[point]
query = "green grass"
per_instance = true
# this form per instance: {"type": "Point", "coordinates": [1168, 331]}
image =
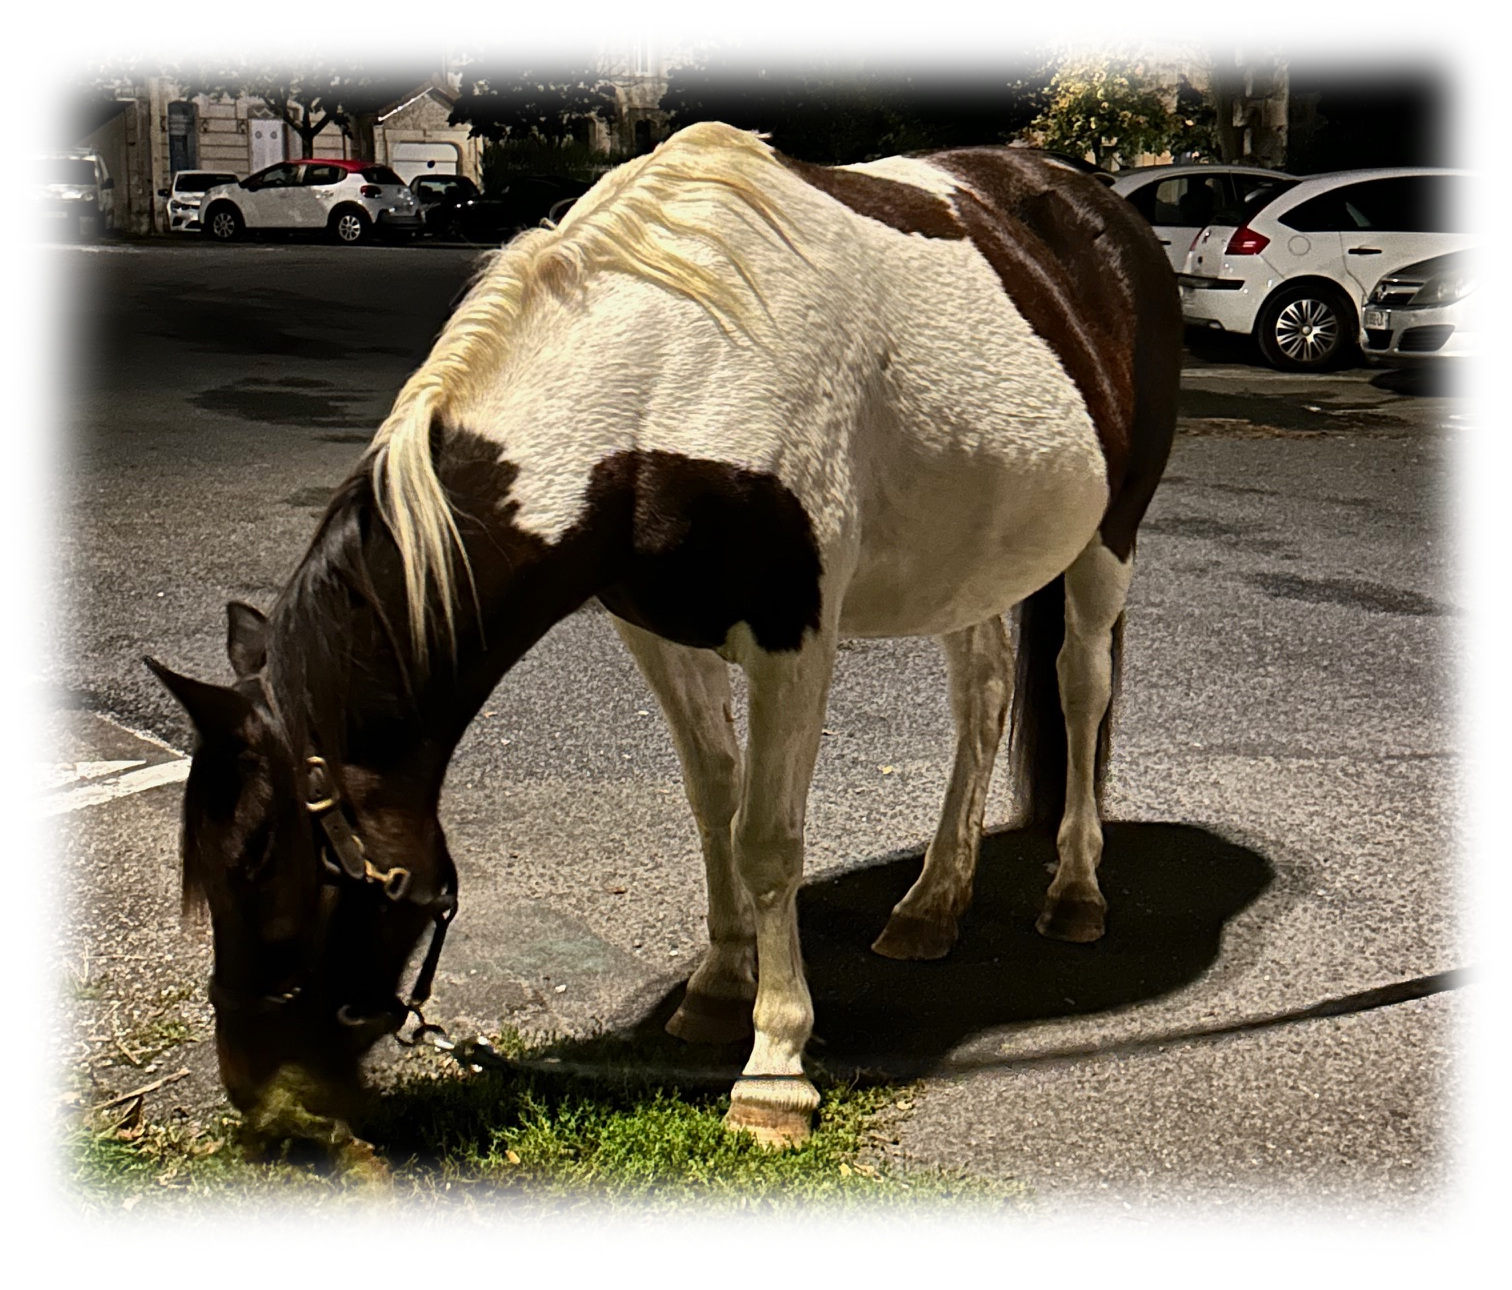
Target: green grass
{"type": "Point", "coordinates": [536, 1140]}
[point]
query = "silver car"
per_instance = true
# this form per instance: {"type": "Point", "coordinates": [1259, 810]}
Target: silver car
{"type": "Point", "coordinates": [1424, 312]}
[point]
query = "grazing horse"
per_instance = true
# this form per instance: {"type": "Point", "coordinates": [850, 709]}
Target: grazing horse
{"type": "Point", "coordinates": [754, 406]}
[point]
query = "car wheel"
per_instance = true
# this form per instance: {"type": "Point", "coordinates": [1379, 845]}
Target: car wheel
{"type": "Point", "coordinates": [348, 226]}
{"type": "Point", "coordinates": [1307, 328]}
{"type": "Point", "coordinates": [223, 224]}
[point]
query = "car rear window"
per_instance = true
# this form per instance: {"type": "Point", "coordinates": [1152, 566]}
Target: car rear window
{"type": "Point", "coordinates": [381, 175]}
{"type": "Point", "coordinates": [1251, 199]}
{"type": "Point", "coordinates": [64, 170]}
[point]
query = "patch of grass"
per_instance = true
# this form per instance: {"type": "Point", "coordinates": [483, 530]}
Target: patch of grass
{"type": "Point", "coordinates": [154, 1036]}
{"type": "Point", "coordinates": [539, 1140]}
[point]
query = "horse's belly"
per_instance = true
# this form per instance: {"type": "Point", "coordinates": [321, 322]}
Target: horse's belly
{"type": "Point", "coordinates": [958, 555]}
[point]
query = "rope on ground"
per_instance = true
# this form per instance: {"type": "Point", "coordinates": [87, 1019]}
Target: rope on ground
{"type": "Point", "coordinates": [478, 1054]}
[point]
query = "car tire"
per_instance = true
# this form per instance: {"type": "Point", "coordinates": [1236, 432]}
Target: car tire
{"type": "Point", "coordinates": [349, 226]}
{"type": "Point", "coordinates": [223, 223]}
{"type": "Point", "coordinates": [1310, 327]}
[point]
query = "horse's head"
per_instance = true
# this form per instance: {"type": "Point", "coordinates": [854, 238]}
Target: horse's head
{"type": "Point", "coordinates": [319, 882]}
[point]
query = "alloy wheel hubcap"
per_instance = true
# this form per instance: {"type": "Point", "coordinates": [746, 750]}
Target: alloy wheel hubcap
{"type": "Point", "coordinates": [1307, 331]}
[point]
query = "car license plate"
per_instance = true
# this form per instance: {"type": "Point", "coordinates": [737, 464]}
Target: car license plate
{"type": "Point", "coordinates": [1377, 319]}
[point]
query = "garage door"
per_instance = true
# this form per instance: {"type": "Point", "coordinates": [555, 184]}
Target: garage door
{"type": "Point", "coordinates": [412, 160]}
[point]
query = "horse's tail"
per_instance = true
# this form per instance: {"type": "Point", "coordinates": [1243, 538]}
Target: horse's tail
{"type": "Point", "coordinates": [1037, 729]}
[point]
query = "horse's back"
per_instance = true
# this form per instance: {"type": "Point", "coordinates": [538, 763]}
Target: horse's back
{"type": "Point", "coordinates": [956, 366]}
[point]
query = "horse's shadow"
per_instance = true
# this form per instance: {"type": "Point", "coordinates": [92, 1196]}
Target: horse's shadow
{"type": "Point", "coordinates": [1170, 888]}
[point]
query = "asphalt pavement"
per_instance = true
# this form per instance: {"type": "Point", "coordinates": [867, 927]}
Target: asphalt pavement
{"type": "Point", "coordinates": [1284, 795]}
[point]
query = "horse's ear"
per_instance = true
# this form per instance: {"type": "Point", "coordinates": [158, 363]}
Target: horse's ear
{"type": "Point", "coordinates": [246, 638]}
{"type": "Point", "coordinates": [218, 712]}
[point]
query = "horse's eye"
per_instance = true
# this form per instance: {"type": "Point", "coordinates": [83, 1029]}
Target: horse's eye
{"type": "Point", "coordinates": [258, 848]}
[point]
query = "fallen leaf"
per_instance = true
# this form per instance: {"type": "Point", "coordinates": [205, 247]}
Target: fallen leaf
{"type": "Point", "coordinates": [129, 1126]}
{"type": "Point", "coordinates": [845, 1171]}
{"type": "Point", "coordinates": [130, 1202]}
{"type": "Point", "coordinates": [887, 770]}
{"type": "Point", "coordinates": [512, 1157]}
{"type": "Point", "coordinates": [615, 890]}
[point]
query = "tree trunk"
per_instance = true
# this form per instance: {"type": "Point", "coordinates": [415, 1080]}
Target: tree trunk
{"type": "Point", "coordinates": [361, 129]}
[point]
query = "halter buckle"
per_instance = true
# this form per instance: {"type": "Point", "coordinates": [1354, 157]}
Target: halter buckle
{"type": "Point", "coordinates": [320, 792]}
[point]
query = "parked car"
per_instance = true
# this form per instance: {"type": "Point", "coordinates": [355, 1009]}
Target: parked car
{"type": "Point", "coordinates": [1179, 201]}
{"type": "Point", "coordinates": [1294, 269]}
{"type": "Point", "coordinates": [1424, 312]}
{"type": "Point", "coordinates": [185, 194]}
{"type": "Point", "coordinates": [73, 193]}
{"type": "Point", "coordinates": [348, 201]}
{"type": "Point", "coordinates": [454, 208]}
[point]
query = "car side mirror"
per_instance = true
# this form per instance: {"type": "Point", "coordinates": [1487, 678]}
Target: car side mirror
{"type": "Point", "coordinates": [108, 185]}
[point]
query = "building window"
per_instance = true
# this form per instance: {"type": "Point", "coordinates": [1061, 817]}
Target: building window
{"type": "Point", "coordinates": [643, 62]}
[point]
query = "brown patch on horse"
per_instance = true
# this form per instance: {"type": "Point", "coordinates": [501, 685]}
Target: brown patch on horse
{"type": "Point", "coordinates": [683, 547]}
{"type": "Point", "coordinates": [1087, 273]}
{"type": "Point", "coordinates": [898, 205]}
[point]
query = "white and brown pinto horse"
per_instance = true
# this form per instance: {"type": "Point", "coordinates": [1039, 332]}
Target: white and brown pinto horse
{"type": "Point", "coordinates": [755, 407]}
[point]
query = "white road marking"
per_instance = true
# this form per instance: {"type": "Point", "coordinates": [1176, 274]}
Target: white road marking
{"type": "Point", "coordinates": [71, 772]}
{"type": "Point", "coordinates": [137, 781]}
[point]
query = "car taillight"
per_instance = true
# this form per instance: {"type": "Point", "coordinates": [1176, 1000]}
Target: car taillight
{"type": "Point", "coordinates": [1246, 242]}
{"type": "Point", "coordinates": [371, 190]}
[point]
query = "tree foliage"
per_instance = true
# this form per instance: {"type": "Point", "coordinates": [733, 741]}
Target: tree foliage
{"type": "Point", "coordinates": [504, 102]}
{"type": "Point", "coordinates": [835, 114]}
{"type": "Point", "coordinates": [1114, 109]}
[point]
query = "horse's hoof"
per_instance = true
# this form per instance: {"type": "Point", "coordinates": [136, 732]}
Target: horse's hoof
{"type": "Point", "coordinates": [712, 1019]}
{"type": "Point", "coordinates": [908, 937]}
{"type": "Point", "coordinates": [777, 1113]}
{"type": "Point", "coordinates": [1079, 919]}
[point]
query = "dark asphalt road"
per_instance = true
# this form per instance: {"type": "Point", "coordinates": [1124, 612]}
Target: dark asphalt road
{"type": "Point", "coordinates": [1284, 780]}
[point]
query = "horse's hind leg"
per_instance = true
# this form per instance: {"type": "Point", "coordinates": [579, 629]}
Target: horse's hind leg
{"type": "Point", "coordinates": [693, 687]}
{"type": "Point", "coordinates": [1096, 585]}
{"type": "Point", "coordinates": [923, 924]}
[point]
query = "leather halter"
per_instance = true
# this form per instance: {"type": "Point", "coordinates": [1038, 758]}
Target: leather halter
{"type": "Point", "coordinates": [323, 801]}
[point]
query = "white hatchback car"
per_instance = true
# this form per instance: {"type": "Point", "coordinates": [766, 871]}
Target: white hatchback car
{"type": "Point", "coordinates": [1180, 201]}
{"type": "Point", "coordinates": [346, 200]}
{"type": "Point", "coordinates": [185, 194]}
{"type": "Point", "coordinates": [1293, 270]}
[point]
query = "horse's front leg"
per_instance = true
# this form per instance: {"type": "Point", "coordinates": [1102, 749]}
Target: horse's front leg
{"type": "Point", "coordinates": [773, 1098]}
{"type": "Point", "coordinates": [693, 687]}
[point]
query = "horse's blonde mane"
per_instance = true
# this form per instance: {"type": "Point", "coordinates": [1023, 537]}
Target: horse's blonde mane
{"type": "Point", "coordinates": [630, 222]}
